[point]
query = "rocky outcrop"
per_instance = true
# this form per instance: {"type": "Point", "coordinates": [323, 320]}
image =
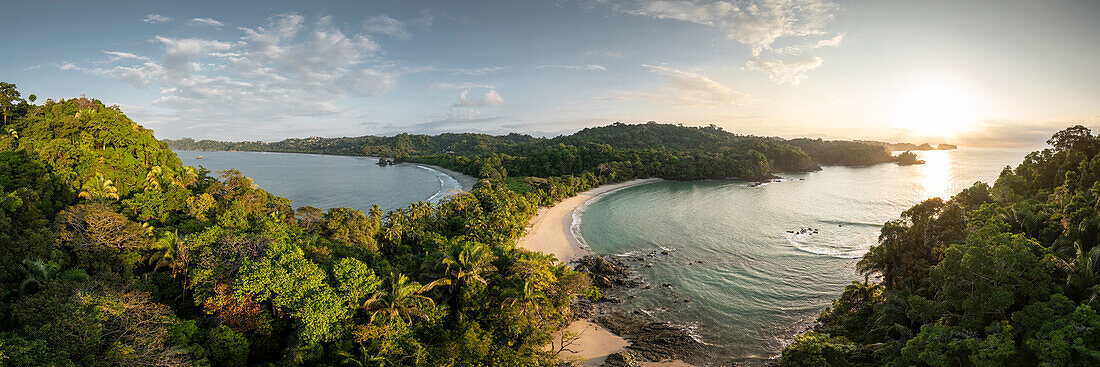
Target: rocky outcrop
{"type": "Point", "coordinates": [622, 359]}
{"type": "Point", "coordinates": [606, 273]}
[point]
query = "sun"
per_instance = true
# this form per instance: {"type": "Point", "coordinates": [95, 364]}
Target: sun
{"type": "Point", "coordinates": [936, 108]}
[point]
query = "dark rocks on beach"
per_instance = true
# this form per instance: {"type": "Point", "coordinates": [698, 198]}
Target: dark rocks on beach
{"type": "Point", "coordinates": [655, 341]}
{"type": "Point", "coordinates": [622, 359]}
{"type": "Point", "coordinates": [606, 273]}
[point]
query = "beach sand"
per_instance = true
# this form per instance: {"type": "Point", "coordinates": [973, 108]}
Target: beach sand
{"type": "Point", "coordinates": [549, 233]}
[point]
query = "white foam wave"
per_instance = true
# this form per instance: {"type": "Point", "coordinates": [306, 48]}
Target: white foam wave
{"type": "Point", "coordinates": [447, 185]}
{"type": "Point", "coordinates": [578, 212]}
{"type": "Point", "coordinates": [799, 242]}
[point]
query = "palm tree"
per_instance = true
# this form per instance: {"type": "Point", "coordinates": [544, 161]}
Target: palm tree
{"type": "Point", "coordinates": [165, 251]}
{"type": "Point", "coordinates": [152, 179]}
{"type": "Point", "coordinates": [99, 189]}
{"type": "Point", "coordinates": [526, 302]}
{"type": "Point", "coordinates": [376, 213]}
{"type": "Point", "coordinates": [401, 299]}
{"type": "Point", "coordinates": [466, 263]}
{"type": "Point", "coordinates": [1084, 271]}
{"type": "Point", "coordinates": [35, 273]}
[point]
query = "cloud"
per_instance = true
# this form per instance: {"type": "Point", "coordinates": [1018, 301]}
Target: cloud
{"type": "Point", "coordinates": [476, 72]}
{"type": "Point", "coordinates": [156, 19]}
{"type": "Point", "coordinates": [463, 85]}
{"type": "Point", "coordinates": [588, 67]}
{"type": "Point", "coordinates": [117, 56]}
{"type": "Point", "coordinates": [284, 69]}
{"type": "Point", "coordinates": [800, 48]}
{"type": "Point", "coordinates": [383, 24]}
{"type": "Point", "coordinates": [683, 88]}
{"type": "Point", "coordinates": [757, 23]}
{"type": "Point", "coordinates": [1006, 133]}
{"type": "Point", "coordinates": [491, 98]}
{"type": "Point", "coordinates": [69, 67]}
{"type": "Point", "coordinates": [205, 22]}
{"type": "Point", "coordinates": [32, 67]}
{"type": "Point", "coordinates": [786, 71]}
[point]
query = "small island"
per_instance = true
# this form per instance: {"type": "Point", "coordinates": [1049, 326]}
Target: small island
{"type": "Point", "coordinates": [907, 158]}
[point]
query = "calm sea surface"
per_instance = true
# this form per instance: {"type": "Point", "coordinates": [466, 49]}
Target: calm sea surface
{"type": "Point", "coordinates": [327, 181]}
{"type": "Point", "coordinates": [751, 283]}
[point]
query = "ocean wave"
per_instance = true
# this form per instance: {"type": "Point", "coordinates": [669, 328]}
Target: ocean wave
{"type": "Point", "coordinates": [851, 223]}
{"type": "Point", "coordinates": [798, 241]}
{"type": "Point", "coordinates": [447, 185]}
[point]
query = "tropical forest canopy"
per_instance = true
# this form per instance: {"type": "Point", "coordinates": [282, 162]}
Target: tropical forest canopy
{"type": "Point", "coordinates": [116, 254]}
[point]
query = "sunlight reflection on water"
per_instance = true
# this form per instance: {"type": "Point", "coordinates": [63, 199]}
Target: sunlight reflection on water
{"type": "Point", "coordinates": [935, 173]}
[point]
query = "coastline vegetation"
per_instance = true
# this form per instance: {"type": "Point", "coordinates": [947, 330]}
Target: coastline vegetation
{"type": "Point", "coordinates": [548, 170]}
{"type": "Point", "coordinates": [1001, 275]}
{"type": "Point", "coordinates": [117, 254]}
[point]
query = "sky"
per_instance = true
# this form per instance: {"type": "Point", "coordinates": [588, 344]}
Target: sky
{"type": "Point", "coordinates": [979, 73]}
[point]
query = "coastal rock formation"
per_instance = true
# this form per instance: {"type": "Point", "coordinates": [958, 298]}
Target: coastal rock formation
{"type": "Point", "coordinates": [655, 341]}
{"type": "Point", "coordinates": [606, 273]}
{"type": "Point", "coordinates": [622, 359]}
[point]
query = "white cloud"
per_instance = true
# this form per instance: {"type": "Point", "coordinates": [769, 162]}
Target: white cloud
{"type": "Point", "coordinates": [800, 48]}
{"type": "Point", "coordinates": [756, 23]}
{"type": "Point", "coordinates": [117, 56]}
{"type": "Point", "coordinates": [32, 67]}
{"type": "Point", "coordinates": [478, 71]}
{"type": "Point", "coordinates": [463, 85]}
{"type": "Point", "coordinates": [383, 24]}
{"type": "Point", "coordinates": [156, 19]}
{"type": "Point", "coordinates": [831, 42]}
{"type": "Point", "coordinates": [786, 71]}
{"type": "Point", "coordinates": [491, 98]}
{"type": "Point", "coordinates": [69, 67]}
{"type": "Point", "coordinates": [588, 67]}
{"type": "Point", "coordinates": [285, 69]}
{"type": "Point", "coordinates": [205, 22]}
{"type": "Point", "coordinates": [686, 88]}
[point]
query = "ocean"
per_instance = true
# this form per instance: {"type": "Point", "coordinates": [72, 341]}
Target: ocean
{"type": "Point", "coordinates": [327, 181]}
{"type": "Point", "coordinates": [757, 264]}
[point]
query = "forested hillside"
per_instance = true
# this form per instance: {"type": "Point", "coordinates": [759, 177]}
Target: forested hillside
{"type": "Point", "coordinates": [1007, 275]}
{"type": "Point", "coordinates": [617, 152]}
{"type": "Point", "coordinates": [116, 254]}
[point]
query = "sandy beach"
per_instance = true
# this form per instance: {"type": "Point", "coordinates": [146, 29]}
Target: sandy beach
{"type": "Point", "coordinates": [549, 233]}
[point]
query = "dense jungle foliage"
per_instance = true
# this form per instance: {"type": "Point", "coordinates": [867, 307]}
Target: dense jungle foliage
{"type": "Point", "coordinates": [1007, 275]}
{"type": "Point", "coordinates": [116, 254]}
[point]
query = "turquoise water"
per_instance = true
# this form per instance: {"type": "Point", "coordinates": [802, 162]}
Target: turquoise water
{"type": "Point", "coordinates": [327, 181]}
{"type": "Point", "coordinates": [752, 285]}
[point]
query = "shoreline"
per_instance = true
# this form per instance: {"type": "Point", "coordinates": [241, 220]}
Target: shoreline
{"type": "Point", "coordinates": [467, 182]}
{"type": "Point", "coordinates": [550, 232]}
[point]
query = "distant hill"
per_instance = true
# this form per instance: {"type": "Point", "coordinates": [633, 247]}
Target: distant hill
{"type": "Point", "coordinates": [637, 150]}
{"type": "Point", "coordinates": [897, 147]}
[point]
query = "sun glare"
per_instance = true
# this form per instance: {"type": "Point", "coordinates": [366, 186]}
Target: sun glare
{"type": "Point", "coordinates": [936, 109]}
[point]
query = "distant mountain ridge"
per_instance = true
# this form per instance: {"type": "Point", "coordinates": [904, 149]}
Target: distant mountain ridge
{"type": "Point", "coordinates": [897, 147]}
{"type": "Point", "coordinates": [645, 150]}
